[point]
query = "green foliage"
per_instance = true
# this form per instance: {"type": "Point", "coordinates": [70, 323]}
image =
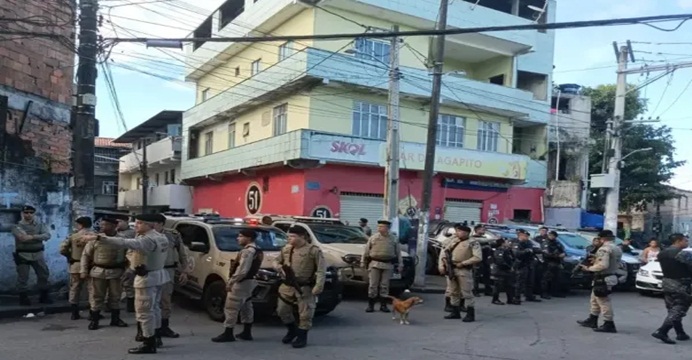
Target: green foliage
{"type": "Point", "coordinates": [643, 175]}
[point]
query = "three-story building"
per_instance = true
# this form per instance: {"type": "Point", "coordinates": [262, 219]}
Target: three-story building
{"type": "Point", "coordinates": [299, 127]}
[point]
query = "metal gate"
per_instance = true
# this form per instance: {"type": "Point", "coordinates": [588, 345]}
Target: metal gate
{"type": "Point", "coordinates": [354, 207]}
{"type": "Point", "coordinates": [459, 211]}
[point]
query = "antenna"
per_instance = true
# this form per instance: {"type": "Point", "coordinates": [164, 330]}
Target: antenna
{"type": "Point", "coordinates": [473, 7]}
{"type": "Point", "coordinates": [539, 11]}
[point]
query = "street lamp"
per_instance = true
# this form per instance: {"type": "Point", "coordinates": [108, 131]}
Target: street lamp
{"type": "Point", "coordinates": [632, 153]}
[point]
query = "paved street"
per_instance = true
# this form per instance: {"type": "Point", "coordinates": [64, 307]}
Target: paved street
{"type": "Point", "coordinates": [533, 331]}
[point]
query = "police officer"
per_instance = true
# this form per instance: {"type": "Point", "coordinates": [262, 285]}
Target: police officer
{"type": "Point", "coordinates": [240, 286]}
{"type": "Point", "coordinates": [72, 249]}
{"type": "Point", "coordinates": [553, 254]}
{"type": "Point", "coordinates": [542, 235]}
{"type": "Point", "coordinates": [502, 270]}
{"type": "Point", "coordinates": [151, 251]}
{"type": "Point", "coordinates": [303, 267]}
{"type": "Point", "coordinates": [676, 264]}
{"type": "Point", "coordinates": [363, 223]}
{"type": "Point", "coordinates": [457, 261]}
{"type": "Point", "coordinates": [481, 273]}
{"type": "Point", "coordinates": [525, 267]}
{"type": "Point", "coordinates": [605, 266]}
{"type": "Point", "coordinates": [177, 260]}
{"type": "Point", "coordinates": [104, 264]}
{"type": "Point", "coordinates": [381, 255]}
{"type": "Point", "coordinates": [29, 235]}
{"type": "Point", "coordinates": [125, 231]}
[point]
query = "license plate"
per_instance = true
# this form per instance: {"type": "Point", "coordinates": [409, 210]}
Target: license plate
{"type": "Point", "coordinates": [396, 276]}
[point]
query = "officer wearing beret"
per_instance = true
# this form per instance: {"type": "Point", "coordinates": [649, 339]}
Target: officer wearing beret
{"type": "Point", "coordinates": [125, 231]}
{"type": "Point", "coordinates": [72, 248]}
{"type": "Point", "coordinates": [457, 260]}
{"type": "Point", "coordinates": [381, 255]}
{"type": "Point", "coordinates": [29, 235]}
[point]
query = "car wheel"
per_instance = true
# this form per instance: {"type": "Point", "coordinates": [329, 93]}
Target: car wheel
{"type": "Point", "coordinates": [431, 265]}
{"type": "Point", "coordinates": [214, 300]}
{"type": "Point", "coordinates": [645, 293]}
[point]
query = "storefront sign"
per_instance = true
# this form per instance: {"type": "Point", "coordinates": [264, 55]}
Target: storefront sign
{"type": "Point", "coordinates": [253, 199]}
{"type": "Point", "coordinates": [344, 149]}
{"type": "Point", "coordinates": [466, 184]}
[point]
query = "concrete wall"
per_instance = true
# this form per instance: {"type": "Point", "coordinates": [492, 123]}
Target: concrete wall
{"type": "Point", "coordinates": [569, 218]}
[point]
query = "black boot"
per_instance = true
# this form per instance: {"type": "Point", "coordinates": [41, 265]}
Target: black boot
{"type": "Point", "coordinates": [680, 332]}
{"type": "Point", "coordinates": [462, 306]}
{"type": "Point", "coordinates": [157, 337]}
{"type": "Point", "coordinates": [247, 333]}
{"type": "Point", "coordinates": [226, 336]}
{"type": "Point", "coordinates": [470, 315]}
{"type": "Point", "coordinates": [130, 304]}
{"type": "Point", "coordinates": [532, 298]}
{"type": "Point", "coordinates": [662, 334]}
{"type": "Point", "coordinates": [371, 305]}
{"type": "Point", "coordinates": [94, 322]}
{"type": "Point", "coordinates": [448, 304]}
{"type": "Point", "coordinates": [116, 320]}
{"type": "Point", "coordinates": [496, 300]}
{"type": "Point", "coordinates": [607, 327]}
{"type": "Point", "coordinates": [44, 298]}
{"type": "Point", "coordinates": [147, 347]}
{"type": "Point", "coordinates": [383, 305]}
{"type": "Point", "coordinates": [546, 296]}
{"type": "Point", "coordinates": [590, 322]}
{"type": "Point", "coordinates": [140, 336]}
{"type": "Point", "coordinates": [454, 314]}
{"type": "Point", "coordinates": [166, 330]}
{"type": "Point", "coordinates": [301, 339]}
{"type": "Point", "coordinates": [75, 312]}
{"type": "Point", "coordinates": [24, 299]}
{"type": "Point", "coordinates": [290, 334]}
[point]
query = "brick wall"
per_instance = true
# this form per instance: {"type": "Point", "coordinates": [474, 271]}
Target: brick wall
{"type": "Point", "coordinates": [44, 67]}
{"type": "Point", "coordinates": [47, 142]}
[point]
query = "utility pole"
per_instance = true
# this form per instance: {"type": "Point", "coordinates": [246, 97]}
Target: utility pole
{"type": "Point", "coordinates": [429, 172]}
{"type": "Point", "coordinates": [85, 119]}
{"type": "Point", "coordinates": [144, 169]}
{"type": "Point", "coordinates": [391, 187]}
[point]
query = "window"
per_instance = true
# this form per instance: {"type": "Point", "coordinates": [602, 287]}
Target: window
{"type": "Point", "coordinates": [156, 179]}
{"type": "Point", "coordinates": [109, 188]}
{"type": "Point", "coordinates": [488, 134]}
{"type": "Point", "coordinates": [205, 95]}
{"type": "Point", "coordinates": [139, 182]}
{"type": "Point", "coordinates": [369, 120]}
{"type": "Point", "coordinates": [174, 129]}
{"type": "Point", "coordinates": [450, 131]}
{"type": "Point", "coordinates": [193, 233]}
{"type": "Point", "coordinates": [165, 177]}
{"type": "Point", "coordinates": [237, 71]}
{"type": "Point", "coordinates": [246, 129]}
{"type": "Point", "coordinates": [172, 176]}
{"type": "Point", "coordinates": [208, 143]}
{"type": "Point", "coordinates": [286, 50]}
{"type": "Point", "coordinates": [338, 234]}
{"type": "Point", "coordinates": [231, 135]}
{"type": "Point", "coordinates": [370, 49]}
{"type": "Point", "coordinates": [226, 239]}
{"type": "Point", "coordinates": [280, 115]}
{"type": "Point", "coordinates": [255, 67]}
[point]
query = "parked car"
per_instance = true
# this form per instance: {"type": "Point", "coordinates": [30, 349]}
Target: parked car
{"type": "Point", "coordinates": [212, 242]}
{"type": "Point", "coordinates": [650, 279]}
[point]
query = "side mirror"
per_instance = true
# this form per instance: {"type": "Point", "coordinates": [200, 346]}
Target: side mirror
{"type": "Point", "coordinates": [199, 247]}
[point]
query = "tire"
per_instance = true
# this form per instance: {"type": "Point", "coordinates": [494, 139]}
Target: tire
{"type": "Point", "coordinates": [645, 293]}
{"type": "Point", "coordinates": [214, 299]}
{"type": "Point", "coordinates": [431, 265]}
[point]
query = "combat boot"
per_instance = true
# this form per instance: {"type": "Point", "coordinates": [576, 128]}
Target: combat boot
{"type": "Point", "coordinates": [247, 333]}
{"type": "Point", "coordinates": [462, 306]}
{"type": "Point", "coordinates": [140, 336]}
{"type": "Point", "coordinates": [166, 330]}
{"type": "Point", "coordinates": [448, 304]}
{"type": "Point", "coordinates": [24, 299]}
{"type": "Point", "coordinates": [100, 317]}
{"type": "Point", "coordinates": [95, 317]}
{"type": "Point", "coordinates": [607, 327]}
{"type": "Point", "coordinates": [532, 298]}
{"type": "Point", "coordinates": [371, 305]}
{"type": "Point", "coordinates": [590, 322]}
{"type": "Point", "coordinates": [290, 334]}
{"type": "Point", "coordinates": [75, 312]}
{"type": "Point", "coordinates": [383, 305]}
{"type": "Point", "coordinates": [470, 315]}
{"type": "Point", "coordinates": [130, 304]}
{"type": "Point", "coordinates": [226, 336]}
{"type": "Point", "coordinates": [454, 314]}
{"type": "Point", "coordinates": [44, 298]}
{"type": "Point", "coordinates": [680, 332]}
{"type": "Point", "coordinates": [147, 347]}
{"type": "Point", "coordinates": [116, 320]}
{"type": "Point", "coordinates": [301, 340]}
{"type": "Point", "coordinates": [157, 337]}
{"type": "Point", "coordinates": [662, 334]}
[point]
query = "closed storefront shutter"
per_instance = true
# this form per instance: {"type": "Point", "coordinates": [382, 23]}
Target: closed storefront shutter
{"type": "Point", "coordinates": [459, 211]}
{"type": "Point", "coordinates": [356, 206]}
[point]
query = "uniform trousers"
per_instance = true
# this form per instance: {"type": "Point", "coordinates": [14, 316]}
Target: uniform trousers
{"type": "Point", "coordinates": [23, 269]}
{"type": "Point", "coordinates": [147, 309]}
{"type": "Point", "coordinates": [102, 289]}
{"type": "Point", "coordinates": [461, 287]}
{"type": "Point", "coordinates": [238, 302]}
{"type": "Point", "coordinates": [378, 282]}
{"type": "Point", "coordinates": [600, 305]}
{"type": "Point", "coordinates": [76, 287]}
{"type": "Point", "coordinates": [290, 299]}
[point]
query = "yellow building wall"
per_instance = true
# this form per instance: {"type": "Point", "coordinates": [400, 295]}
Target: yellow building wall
{"type": "Point", "coordinates": [224, 76]}
{"type": "Point", "coordinates": [501, 65]}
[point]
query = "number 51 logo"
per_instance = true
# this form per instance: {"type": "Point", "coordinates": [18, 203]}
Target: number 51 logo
{"type": "Point", "coordinates": [253, 199]}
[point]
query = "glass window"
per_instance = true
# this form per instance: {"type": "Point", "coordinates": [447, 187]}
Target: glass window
{"type": "Point", "coordinates": [255, 67]}
{"type": "Point", "coordinates": [205, 95]}
{"type": "Point", "coordinates": [574, 241]}
{"type": "Point", "coordinates": [208, 143]}
{"type": "Point", "coordinates": [372, 49]}
{"type": "Point", "coordinates": [339, 234]}
{"type": "Point", "coordinates": [488, 135]}
{"type": "Point", "coordinates": [450, 131]}
{"type": "Point", "coordinates": [369, 120]}
{"type": "Point", "coordinates": [226, 238]}
{"type": "Point", "coordinates": [280, 115]}
{"type": "Point", "coordinates": [231, 135]}
{"type": "Point", "coordinates": [286, 50]}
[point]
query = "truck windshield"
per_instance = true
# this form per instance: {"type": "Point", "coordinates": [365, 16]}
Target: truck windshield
{"type": "Point", "coordinates": [338, 234]}
{"type": "Point", "coordinates": [226, 238]}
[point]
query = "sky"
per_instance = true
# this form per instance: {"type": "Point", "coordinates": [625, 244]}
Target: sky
{"type": "Point", "coordinates": [150, 80]}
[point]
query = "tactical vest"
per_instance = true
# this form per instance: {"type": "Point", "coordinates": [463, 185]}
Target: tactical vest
{"type": "Point", "coordinates": [383, 249]}
{"type": "Point", "coordinates": [614, 260]}
{"type": "Point", "coordinates": [108, 256]}
{"type": "Point", "coordinates": [254, 268]}
{"type": "Point", "coordinates": [77, 249]}
{"type": "Point", "coordinates": [32, 246]}
{"type": "Point", "coordinates": [304, 270]}
{"type": "Point", "coordinates": [461, 251]}
{"type": "Point", "coordinates": [671, 267]}
{"type": "Point", "coordinates": [173, 250]}
{"type": "Point", "coordinates": [156, 260]}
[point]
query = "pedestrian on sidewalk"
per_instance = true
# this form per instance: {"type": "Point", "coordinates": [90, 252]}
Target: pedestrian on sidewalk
{"type": "Point", "coordinates": [29, 236]}
{"type": "Point", "coordinates": [72, 248]}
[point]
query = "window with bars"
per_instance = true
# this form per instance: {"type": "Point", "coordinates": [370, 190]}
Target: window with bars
{"type": "Point", "coordinates": [371, 49]}
{"type": "Point", "coordinates": [369, 120]}
{"type": "Point", "coordinates": [280, 115]}
{"type": "Point", "coordinates": [231, 135]}
{"type": "Point", "coordinates": [488, 135]}
{"type": "Point", "coordinates": [286, 50]}
{"type": "Point", "coordinates": [450, 131]}
{"type": "Point", "coordinates": [208, 143]}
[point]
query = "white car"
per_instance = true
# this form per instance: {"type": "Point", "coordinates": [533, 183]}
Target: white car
{"type": "Point", "coordinates": [650, 278]}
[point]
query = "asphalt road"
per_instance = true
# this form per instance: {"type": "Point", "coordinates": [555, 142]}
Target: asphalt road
{"type": "Point", "coordinates": [532, 331]}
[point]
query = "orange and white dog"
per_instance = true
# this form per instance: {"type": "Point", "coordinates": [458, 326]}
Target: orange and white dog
{"type": "Point", "coordinates": [403, 307]}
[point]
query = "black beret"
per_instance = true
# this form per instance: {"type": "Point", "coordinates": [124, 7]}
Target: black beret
{"type": "Point", "coordinates": [384, 222]}
{"type": "Point", "coordinates": [605, 234]}
{"type": "Point", "coordinates": [298, 230]}
{"type": "Point", "coordinates": [152, 218]}
{"type": "Point", "coordinates": [111, 220]}
{"type": "Point", "coordinates": [84, 221]}
{"type": "Point", "coordinates": [364, 220]}
{"type": "Point", "coordinates": [522, 231]}
{"type": "Point", "coordinates": [479, 226]}
{"type": "Point", "coordinates": [249, 233]}
{"type": "Point", "coordinates": [462, 227]}
{"type": "Point", "coordinates": [161, 218]}
{"type": "Point", "coordinates": [28, 208]}
{"type": "Point", "coordinates": [121, 217]}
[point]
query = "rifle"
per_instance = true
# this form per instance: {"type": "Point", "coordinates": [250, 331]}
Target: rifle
{"type": "Point", "coordinates": [587, 261]}
{"type": "Point", "coordinates": [290, 278]}
{"type": "Point", "coordinates": [449, 264]}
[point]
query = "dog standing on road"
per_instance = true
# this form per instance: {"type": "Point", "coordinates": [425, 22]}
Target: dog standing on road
{"type": "Point", "coordinates": [403, 308]}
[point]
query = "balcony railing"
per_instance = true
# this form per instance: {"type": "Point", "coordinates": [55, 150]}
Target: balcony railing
{"type": "Point", "coordinates": [162, 152]}
{"type": "Point", "coordinates": [174, 196]}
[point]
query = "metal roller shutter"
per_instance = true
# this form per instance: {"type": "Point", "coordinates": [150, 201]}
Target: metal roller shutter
{"type": "Point", "coordinates": [463, 210]}
{"type": "Point", "coordinates": [354, 207]}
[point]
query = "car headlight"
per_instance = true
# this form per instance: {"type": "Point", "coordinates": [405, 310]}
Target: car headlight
{"type": "Point", "coordinates": [643, 272]}
{"type": "Point", "coordinates": [351, 259]}
{"type": "Point", "coordinates": [573, 258]}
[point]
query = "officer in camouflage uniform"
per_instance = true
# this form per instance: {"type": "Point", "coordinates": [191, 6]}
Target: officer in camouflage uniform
{"type": "Point", "coordinates": [605, 267]}
{"type": "Point", "coordinates": [240, 286]}
{"type": "Point", "coordinates": [306, 261]}
{"type": "Point", "coordinates": [465, 254]}
{"type": "Point", "coordinates": [553, 254]}
{"type": "Point", "coordinates": [125, 231]}
{"type": "Point", "coordinates": [29, 235]}
{"type": "Point", "coordinates": [105, 265]}
{"type": "Point", "coordinates": [481, 272]}
{"type": "Point", "coordinates": [381, 254]}
{"type": "Point", "coordinates": [676, 264]}
{"type": "Point", "coordinates": [72, 249]}
{"type": "Point", "coordinates": [525, 267]}
{"type": "Point", "coordinates": [502, 270]}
